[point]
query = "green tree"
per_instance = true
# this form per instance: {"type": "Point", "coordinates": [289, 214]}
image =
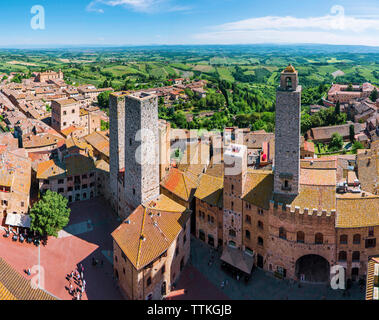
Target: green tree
{"type": "Point", "coordinates": [336, 143]}
{"type": "Point", "coordinates": [103, 99]}
{"type": "Point", "coordinates": [50, 214]}
{"type": "Point", "coordinates": [337, 109]}
{"type": "Point", "coordinates": [351, 132]}
{"type": "Point", "coordinates": [374, 95]}
{"type": "Point", "coordinates": [356, 145]}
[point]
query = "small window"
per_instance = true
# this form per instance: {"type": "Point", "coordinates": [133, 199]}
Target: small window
{"type": "Point", "coordinates": [357, 239]}
{"type": "Point", "coordinates": [356, 256]}
{"type": "Point", "coordinates": [342, 256]}
{"type": "Point", "coordinates": [282, 233]}
{"type": "Point", "coordinates": [319, 238]}
{"type": "Point", "coordinates": [300, 237]}
{"type": "Point", "coordinates": [343, 239]}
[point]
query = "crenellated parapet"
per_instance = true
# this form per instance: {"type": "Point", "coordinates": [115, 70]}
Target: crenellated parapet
{"type": "Point", "coordinates": [278, 208]}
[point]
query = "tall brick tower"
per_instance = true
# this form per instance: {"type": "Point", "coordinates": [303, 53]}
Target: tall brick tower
{"type": "Point", "coordinates": [287, 136]}
{"type": "Point", "coordinates": [141, 149]}
{"type": "Point", "coordinates": [116, 143]}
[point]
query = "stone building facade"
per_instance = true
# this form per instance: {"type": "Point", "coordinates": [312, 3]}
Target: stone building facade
{"type": "Point", "coordinates": [303, 234]}
{"type": "Point", "coordinates": [287, 135]}
{"type": "Point", "coordinates": [141, 149]}
{"type": "Point", "coordinates": [149, 270]}
{"type": "Point", "coordinates": [116, 143]}
{"type": "Point", "coordinates": [64, 113]}
{"type": "Point", "coordinates": [235, 170]}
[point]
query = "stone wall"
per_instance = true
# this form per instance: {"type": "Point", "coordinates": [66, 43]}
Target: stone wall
{"type": "Point", "coordinates": [287, 141]}
{"type": "Point", "coordinates": [141, 149]}
{"type": "Point", "coordinates": [116, 143]}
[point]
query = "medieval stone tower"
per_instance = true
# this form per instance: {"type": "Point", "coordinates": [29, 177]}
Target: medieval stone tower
{"type": "Point", "coordinates": [116, 143]}
{"type": "Point", "coordinates": [235, 171]}
{"type": "Point", "coordinates": [287, 136]}
{"type": "Point", "coordinates": [141, 150]}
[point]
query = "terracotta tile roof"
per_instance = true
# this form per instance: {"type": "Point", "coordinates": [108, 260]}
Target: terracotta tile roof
{"type": "Point", "coordinates": [318, 177]}
{"type": "Point", "coordinates": [150, 231]}
{"type": "Point", "coordinates": [102, 165]}
{"type": "Point", "coordinates": [308, 146]}
{"type": "Point", "coordinates": [99, 142]}
{"type": "Point", "coordinates": [258, 188]}
{"type": "Point", "coordinates": [324, 133]}
{"type": "Point", "coordinates": [319, 163]}
{"type": "Point", "coordinates": [355, 211]}
{"type": "Point", "coordinates": [216, 170]}
{"type": "Point", "coordinates": [211, 190]}
{"type": "Point", "coordinates": [40, 140]}
{"type": "Point", "coordinates": [78, 165]}
{"type": "Point", "coordinates": [15, 287]}
{"type": "Point", "coordinates": [50, 169]}
{"type": "Point", "coordinates": [315, 197]}
{"type": "Point", "coordinates": [180, 184]}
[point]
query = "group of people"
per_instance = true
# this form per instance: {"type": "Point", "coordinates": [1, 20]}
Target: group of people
{"type": "Point", "coordinates": [77, 284]}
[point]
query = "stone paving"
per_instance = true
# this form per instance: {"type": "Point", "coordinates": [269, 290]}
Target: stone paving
{"type": "Point", "coordinates": [91, 223]}
{"type": "Point", "coordinates": [262, 285]}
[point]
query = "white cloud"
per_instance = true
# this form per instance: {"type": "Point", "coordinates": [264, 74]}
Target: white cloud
{"type": "Point", "coordinates": [137, 5]}
{"type": "Point", "coordinates": [335, 28]}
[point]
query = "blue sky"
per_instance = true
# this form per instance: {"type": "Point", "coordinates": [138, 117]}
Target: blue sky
{"type": "Point", "coordinates": [144, 22]}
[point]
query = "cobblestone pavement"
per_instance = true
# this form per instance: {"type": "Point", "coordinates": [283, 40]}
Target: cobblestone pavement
{"type": "Point", "coordinates": [262, 285]}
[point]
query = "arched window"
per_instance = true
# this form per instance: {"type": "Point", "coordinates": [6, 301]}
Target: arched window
{"type": "Point", "coordinates": [282, 233]}
{"type": "Point", "coordinates": [356, 256]}
{"type": "Point", "coordinates": [300, 237]}
{"type": "Point", "coordinates": [260, 241]}
{"type": "Point", "coordinates": [288, 83]}
{"type": "Point", "coordinates": [357, 239]}
{"type": "Point", "coordinates": [342, 256]}
{"type": "Point", "coordinates": [343, 239]}
{"type": "Point", "coordinates": [319, 238]}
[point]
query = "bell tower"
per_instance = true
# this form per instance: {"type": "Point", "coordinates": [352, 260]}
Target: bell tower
{"type": "Point", "coordinates": [287, 136]}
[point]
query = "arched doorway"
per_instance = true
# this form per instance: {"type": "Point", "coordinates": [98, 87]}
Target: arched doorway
{"type": "Point", "coordinates": [313, 268]}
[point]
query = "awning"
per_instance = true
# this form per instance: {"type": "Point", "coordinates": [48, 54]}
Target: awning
{"type": "Point", "coordinates": [238, 259]}
{"type": "Point", "coordinates": [18, 220]}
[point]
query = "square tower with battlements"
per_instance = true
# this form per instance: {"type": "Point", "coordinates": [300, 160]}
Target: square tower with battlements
{"type": "Point", "coordinates": [287, 136]}
{"type": "Point", "coordinates": [141, 150]}
{"type": "Point", "coordinates": [116, 145]}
